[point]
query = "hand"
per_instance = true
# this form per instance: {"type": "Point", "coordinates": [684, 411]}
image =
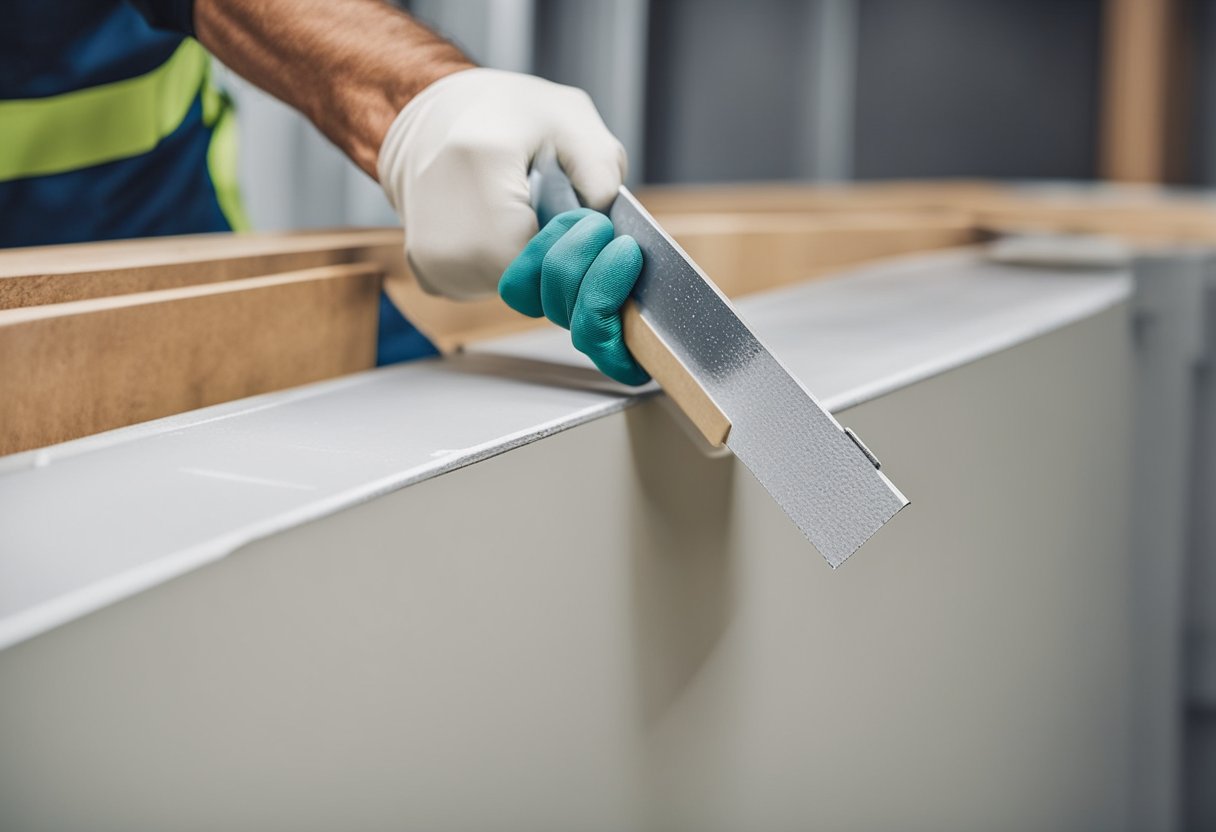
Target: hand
{"type": "Point", "coordinates": [455, 163]}
{"type": "Point", "coordinates": [574, 273]}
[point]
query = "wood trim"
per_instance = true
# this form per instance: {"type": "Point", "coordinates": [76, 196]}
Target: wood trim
{"type": "Point", "coordinates": [100, 335]}
{"type": "Point", "coordinates": [78, 368]}
{"type": "Point", "coordinates": [677, 381]}
{"type": "Point", "coordinates": [864, 197]}
{"type": "Point", "coordinates": [1137, 214]}
{"type": "Point", "coordinates": [1140, 43]}
{"type": "Point", "coordinates": [742, 254]}
{"type": "Point", "coordinates": [746, 253]}
{"type": "Point", "coordinates": [59, 274]}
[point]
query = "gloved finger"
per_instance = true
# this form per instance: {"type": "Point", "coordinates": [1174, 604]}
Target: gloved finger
{"type": "Point", "coordinates": [468, 214]}
{"type": "Point", "coordinates": [595, 327]}
{"type": "Point", "coordinates": [563, 268]}
{"type": "Point", "coordinates": [590, 155]}
{"type": "Point", "coordinates": [519, 286]}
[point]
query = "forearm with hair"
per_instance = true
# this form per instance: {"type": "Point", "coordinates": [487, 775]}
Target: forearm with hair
{"type": "Point", "coordinates": [348, 65]}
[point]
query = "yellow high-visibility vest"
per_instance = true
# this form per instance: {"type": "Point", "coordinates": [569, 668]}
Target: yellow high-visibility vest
{"type": "Point", "coordinates": [119, 120]}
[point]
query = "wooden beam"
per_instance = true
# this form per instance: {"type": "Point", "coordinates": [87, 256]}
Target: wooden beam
{"type": "Point", "coordinates": [77, 368]}
{"type": "Point", "coordinates": [1136, 87]}
{"type": "Point", "coordinates": [1137, 215]}
{"type": "Point", "coordinates": [41, 275]}
{"type": "Point", "coordinates": [745, 253]}
{"type": "Point", "coordinates": [657, 358]}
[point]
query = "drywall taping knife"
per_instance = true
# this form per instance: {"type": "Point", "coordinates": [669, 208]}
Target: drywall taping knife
{"type": "Point", "coordinates": [685, 333]}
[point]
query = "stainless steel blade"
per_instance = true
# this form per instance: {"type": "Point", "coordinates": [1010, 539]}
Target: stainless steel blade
{"type": "Point", "coordinates": [822, 476]}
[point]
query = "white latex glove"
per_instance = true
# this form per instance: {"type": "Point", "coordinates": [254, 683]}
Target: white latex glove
{"type": "Point", "coordinates": [455, 164]}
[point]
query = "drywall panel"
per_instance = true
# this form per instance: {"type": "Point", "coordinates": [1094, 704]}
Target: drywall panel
{"type": "Point", "coordinates": [606, 630]}
{"type": "Point", "coordinates": [271, 462]}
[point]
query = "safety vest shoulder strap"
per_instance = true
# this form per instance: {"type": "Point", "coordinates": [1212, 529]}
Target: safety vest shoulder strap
{"type": "Point", "coordinates": [82, 128]}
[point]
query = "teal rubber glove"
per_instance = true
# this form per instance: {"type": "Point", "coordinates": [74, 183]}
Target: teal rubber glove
{"type": "Point", "coordinates": [574, 273]}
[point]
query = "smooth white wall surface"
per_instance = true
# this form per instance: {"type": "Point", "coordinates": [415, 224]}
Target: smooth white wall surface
{"type": "Point", "coordinates": [264, 464]}
{"type": "Point", "coordinates": [487, 648]}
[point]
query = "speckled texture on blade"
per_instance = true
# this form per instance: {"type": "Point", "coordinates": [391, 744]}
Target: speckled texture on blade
{"type": "Point", "coordinates": [798, 452]}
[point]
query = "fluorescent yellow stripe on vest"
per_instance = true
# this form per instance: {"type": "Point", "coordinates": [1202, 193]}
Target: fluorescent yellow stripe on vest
{"type": "Point", "coordinates": [222, 166]}
{"type": "Point", "coordinates": [79, 129]}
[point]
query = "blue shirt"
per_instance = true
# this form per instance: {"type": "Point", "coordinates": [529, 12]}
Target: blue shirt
{"type": "Point", "coordinates": [51, 47]}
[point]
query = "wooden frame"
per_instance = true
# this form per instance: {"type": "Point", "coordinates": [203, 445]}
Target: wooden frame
{"type": "Point", "coordinates": [100, 335]}
{"type": "Point", "coordinates": [1143, 90]}
{"type": "Point", "coordinates": [77, 368]}
{"type": "Point", "coordinates": [1148, 215]}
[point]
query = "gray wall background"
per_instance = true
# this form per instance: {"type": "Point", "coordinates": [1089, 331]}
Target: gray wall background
{"type": "Point", "coordinates": [1204, 107]}
{"type": "Point", "coordinates": [708, 60]}
{"type": "Point", "coordinates": [814, 90]}
{"type": "Point", "coordinates": [967, 88]}
{"type": "Point", "coordinates": [728, 90]}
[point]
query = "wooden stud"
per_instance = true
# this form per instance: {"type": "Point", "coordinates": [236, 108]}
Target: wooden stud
{"type": "Point", "coordinates": [745, 253]}
{"type": "Point", "coordinates": [41, 275]}
{"type": "Point", "coordinates": [74, 369]}
{"type": "Point", "coordinates": [654, 354]}
{"type": "Point", "coordinates": [1136, 88]}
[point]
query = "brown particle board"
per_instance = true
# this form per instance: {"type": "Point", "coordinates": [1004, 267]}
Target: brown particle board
{"type": "Point", "coordinates": [42, 275]}
{"type": "Point", "coordinates": [677, 381]}
{"type": "Point", "coordinates": [744, 253]}
{"type": "Point", "coordinates": [77, 368]}
{"type": "Point", "coordinates": [1140, 37]}
{"type": "Point", "coordinates": [58, 274]}
{"type": "Point", "coordinates": [1139, 214]}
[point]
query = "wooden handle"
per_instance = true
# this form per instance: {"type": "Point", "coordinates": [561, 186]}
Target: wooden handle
{"type": "Point", "coordinates": [653, 353]}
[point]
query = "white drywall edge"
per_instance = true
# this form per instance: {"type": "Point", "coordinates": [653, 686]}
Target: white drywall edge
{"type": "Point", "coordinates": [88, 523]}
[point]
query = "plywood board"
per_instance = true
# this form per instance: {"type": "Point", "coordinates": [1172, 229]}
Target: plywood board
{"type": "Point", "coordinates": [742, 253]}
{"type": "Point", "coordinates": [1136, 88]}
{"type": "Point", "coordinates": [769, 197]}
{"type": "Point", "coordinates": [1137, 214]}
{"type": "Point", "coordinates": [77, 368]}
{"type": "Point", "coordinates": [745, 253]}
{"type": "Point", "coordinates": [1135, 224]}
{"type": "Point", "coordinates": [673, 375]}
{"type": "Point", "coordinates": [58, 274]}
{"type": "Point", "coordinates": [696, 641]}
{"type": "Point", "coordinates": [42, 275]}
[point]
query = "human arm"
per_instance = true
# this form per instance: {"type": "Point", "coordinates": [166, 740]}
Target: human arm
{"type": "Point", "coordinates": [450, 144]}
{"type": "Point", "coordinates": [350, 66]}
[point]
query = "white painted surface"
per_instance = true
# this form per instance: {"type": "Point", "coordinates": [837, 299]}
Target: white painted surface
{"type": "Point", "coordinates": [605, 630]}
{"type": "Point", "coordinates": [88, 523]}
